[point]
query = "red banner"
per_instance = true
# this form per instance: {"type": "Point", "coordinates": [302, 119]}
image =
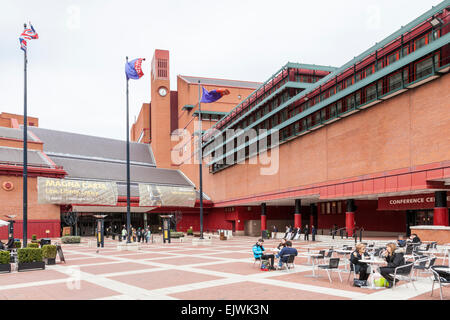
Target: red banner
{"type": "Point", "coordinates": [409, 202]}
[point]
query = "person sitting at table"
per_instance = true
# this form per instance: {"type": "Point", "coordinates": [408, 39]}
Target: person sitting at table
{"type": "Point", "coordinates": [287, 250]}
{"type": "Point", "coordinates": [282, 244]}
{"type": "Point", "coordinates": [394, 259]}
{"type": "Point", "coordinates": [293, 233]}
{"type": "Point", "coordinates": [360, 267]}
{"type": "Point", "coordinates": [258, 253]}
{"type": "Point", "coordinates": [413, 238]}
{"type": "Point", "coordinates": [401, 242]}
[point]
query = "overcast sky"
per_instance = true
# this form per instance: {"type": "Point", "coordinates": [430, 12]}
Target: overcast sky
{"type": "Point", "coordinates": [76, 78]}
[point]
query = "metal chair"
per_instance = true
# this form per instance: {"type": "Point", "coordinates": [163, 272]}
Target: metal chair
{"type": "Point", "coordinates": [439, 279]}
{"type": "Point", "coordinates": [289, 263]}
{"type": "Point", "coordinates": [329, 255]}
{"type": "Point", "coordinates": [352, 270]}
{"type": "Point", "coordinates": [332, 266]}
{"type": "Point", "coordinates": [404, 272]}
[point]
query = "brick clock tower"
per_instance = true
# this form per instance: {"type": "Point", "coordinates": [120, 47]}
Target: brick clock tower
{"type": "Point", "coordinates": [160, 109]}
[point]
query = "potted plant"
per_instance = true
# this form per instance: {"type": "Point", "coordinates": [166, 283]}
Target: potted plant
{"type": "Point", "coordinates": [49, 254]}
{"type": "Point", "coordinates": [71, 239]}
{"type": "Point", "coordinates": [30, 259]}
{"type": "Point", "coordinates": [34, 239]}
{"type": "Point", "coordinates": [17, 244]}
{"type": "Point", "coordinates": [5, 257]}
{"type": "Point", "coordinates": [33, 245]}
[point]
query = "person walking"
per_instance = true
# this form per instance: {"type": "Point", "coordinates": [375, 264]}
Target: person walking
{"type": "Point", "coordinates": [133, 232]}
{"type": "Point", "coordinates": [148, 234]}
{"type": "Point", "coordinates": [124, 234]}
{"type": "Point", "coordinates": [313, 232]}
{"type": "Point", "coordinates": [306, 233]}
{"type": "Point", "coordinates": [139, 234]}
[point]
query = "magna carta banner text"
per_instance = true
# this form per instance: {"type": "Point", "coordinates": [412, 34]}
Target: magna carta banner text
{"type": "Point", "coordinates": [64, 191]}
{"type": "Point", "coordinates": [166, 196]}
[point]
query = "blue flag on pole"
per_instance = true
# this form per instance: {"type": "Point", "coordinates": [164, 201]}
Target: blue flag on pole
{"type": "Point", "coordinates": [213, 95]}
{"type": "Point", "coordinates": [133, 69]}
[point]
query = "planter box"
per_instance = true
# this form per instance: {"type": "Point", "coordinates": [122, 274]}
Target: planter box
{"type": "Point", "coordinates": [31, 266]}
{"type": "Point", "coordinates": [50, 261]}
{"type": "Point", "coordinates": [5, 268]}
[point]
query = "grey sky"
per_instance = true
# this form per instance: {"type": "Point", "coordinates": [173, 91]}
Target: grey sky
{"type": "Point", "coordinates": [76, 69]}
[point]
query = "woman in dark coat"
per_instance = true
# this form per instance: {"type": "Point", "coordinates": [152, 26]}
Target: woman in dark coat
{"type": "Point", "coordinates": [360, 267]}
{"type": "Point", "coordinates": [394, 260]}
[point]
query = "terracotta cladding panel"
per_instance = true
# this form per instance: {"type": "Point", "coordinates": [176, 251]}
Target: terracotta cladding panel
{"type": "Point", "coordinates": [379, 185]}
{"type": "Point", "coordinates": [404, 182]}
{"type": "Point", "coordinates": [368, 186]}
{"type": "Point", "coordinates": [419, 179]}
{"type": "Point", "coordinates": [435, 174]}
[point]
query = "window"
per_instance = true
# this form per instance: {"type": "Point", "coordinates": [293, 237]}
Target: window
{"type": "Point", "coordinates": [395, 81]}
{"type": "Point", "coordinates": [419, 43]}
{"type": "Point", "coordinates": [392, 58]}
{"type": "Point", "coordinates": [371, 93]}
{"type": "Point", "coordinates": [424, 68]}
{"type": "Point", "coordinates": [339, 107]}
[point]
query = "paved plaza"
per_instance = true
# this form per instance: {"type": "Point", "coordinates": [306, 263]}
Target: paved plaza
{"type": "Point", "coordinates": [224, 270]}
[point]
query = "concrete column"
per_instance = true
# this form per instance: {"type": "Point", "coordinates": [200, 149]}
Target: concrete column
{"type": "Point", "coordinates": [298, 214]}
{"type": "Point", "coordinates": [440, 209]}
{"type": "Point", "coordinates": [350, 217]}
{"type": "Point", "coordinates": [263, 216]}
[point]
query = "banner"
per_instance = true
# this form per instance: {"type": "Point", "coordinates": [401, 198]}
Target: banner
{"type": "Point", "coordinates": [165, 196]}
{"type": "Point", "coordinates": [64, 191]}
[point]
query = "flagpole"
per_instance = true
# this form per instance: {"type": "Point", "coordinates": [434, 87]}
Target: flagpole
{"type": "Point", "coordinates": [200, 135]}
{"type": "Point", "coordinates": [128, 168]}
{"type": "Point", "coordinates": [25, 153]}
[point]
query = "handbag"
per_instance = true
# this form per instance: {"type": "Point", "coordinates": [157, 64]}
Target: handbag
{"type": "Point", "coordinates": [359, 283]}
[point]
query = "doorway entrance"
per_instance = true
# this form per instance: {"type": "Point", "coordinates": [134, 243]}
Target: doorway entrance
{"type": "Point", "coordinates": [418, 218]}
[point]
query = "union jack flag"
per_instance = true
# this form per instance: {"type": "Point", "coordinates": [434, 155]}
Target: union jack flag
{"type": "Point", "coordinates": [27, 34]}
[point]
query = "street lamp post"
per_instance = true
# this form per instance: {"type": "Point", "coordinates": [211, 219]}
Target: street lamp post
{"type": "Point", "coordinates": [100, 229]}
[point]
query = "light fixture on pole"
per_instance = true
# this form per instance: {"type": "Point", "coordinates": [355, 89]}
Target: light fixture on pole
{"type": "Point", "coordinates": [436, 22]}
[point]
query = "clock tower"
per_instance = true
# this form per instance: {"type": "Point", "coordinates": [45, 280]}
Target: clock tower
{"type": "Point", "coordinates": [160, 109]}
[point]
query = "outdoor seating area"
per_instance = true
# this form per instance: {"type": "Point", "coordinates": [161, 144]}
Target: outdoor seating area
{"type": "Point", "coordinates": [224, 270]}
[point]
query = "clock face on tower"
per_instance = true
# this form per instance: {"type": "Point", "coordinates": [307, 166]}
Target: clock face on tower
{"type": "Point", "coordinates": [162, 91]}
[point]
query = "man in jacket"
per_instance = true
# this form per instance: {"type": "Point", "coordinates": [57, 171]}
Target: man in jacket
{"type": "Point", "coordinates": [287, 250]}
{"type": "Point", "coordinates": [306, 233]}
{"type": "Point", "coordinates": [258, 253]}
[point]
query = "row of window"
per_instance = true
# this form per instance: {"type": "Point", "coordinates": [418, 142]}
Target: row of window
{"type": "Point", "coordinates": [391, 83]}
{"type": "Point", "coordinates": [357, 76]}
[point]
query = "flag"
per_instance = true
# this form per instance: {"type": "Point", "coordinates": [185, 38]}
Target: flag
{"type": "Point", "coordinates": [213, 95]}
{"type": "Point", "coordinates": [133, 69]}
{"type": "Point", "coordinates": [27, 34]}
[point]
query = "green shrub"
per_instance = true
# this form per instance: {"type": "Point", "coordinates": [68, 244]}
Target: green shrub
{"type": "Point", "coordinates": [33, 237]}
{"type": "Point", "coordinates": [4, 257]}
{"type": "Point", "coordinates": [17, 244]}
{"type": "Point", "coordinates": [71, 239]}
{"type": "Point", "coordinates": [49, 251]}
{"type": "Point", "coordinates": [33, 245]}
{"type": "Point", "coordinates": [176, 234]}
{"type": "Point", "coordinates": [29, 255]}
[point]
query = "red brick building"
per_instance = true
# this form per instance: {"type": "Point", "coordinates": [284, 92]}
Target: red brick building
{"type": "Point", "coordinates": [364, 145]}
